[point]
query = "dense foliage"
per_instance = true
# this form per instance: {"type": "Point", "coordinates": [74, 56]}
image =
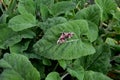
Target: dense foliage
{"type": "Point", "coordinates": [59, 40]}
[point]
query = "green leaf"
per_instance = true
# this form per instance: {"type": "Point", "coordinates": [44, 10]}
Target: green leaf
{"type": "Point", "coordinates": [90, 75]}
{"type": "Point", "coordinates": [42, 7]}
{"type": "Point", "coordinates": [93, 30]}
{"type": "Point", "coordinates": [17, 67]}
{"type": "Point", "coordinates": [111, 41]}
{"type": "Point", "coordinates": [117, 59]}
{"type": "Point", "coordinates": [63, 64]}
{"type": "Point", "coordinates": [53, 76]}
{"type": "Point", "coordinates": [76, 71]}
{"type": "Point", "coordinates": [26, 6]}
{"type": "Point", "coordinates": [19, 47]}
{"type": "Point", "coordinates": [81, 3]}
{"type": "Point", "coordinates": [22, 22]}
{"type": "Point", "coordinates": [116, 14]}
{"type": "Point", "coordinates": [62, 7]}
{"type": "Point", "coordinates": [9, 37]}
{"type": "Point", "coordinates": [100, 61]}
{"type": "Point", "coordinates": [32, 56]}
{"type": "Point", "coordinates": [46, 62]}
{"type": "Point", "coordinates": [91, 13]}
{"type": "Point", "coordinates": [6, 2]}
{"type": "Point", "coordinates": [50, 22]}
{"type": "Point", "coordinates": [40, 67]}
{"type": "Point", "coordinates": [105, 6]}
{"type": "Point", "coordinates": [44, 12]}
{"type": "Point", "coordinates": [3, 18]}
{"type": "Point", "coordinates": [115, 24]}
{"type": "Point", "coordinates": [46, 2]}
{"type": "Point", "coordinates": [73, 48]}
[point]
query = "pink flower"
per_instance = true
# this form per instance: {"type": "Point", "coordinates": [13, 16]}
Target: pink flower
{"type": "Point", "coordinates": [64, 36]}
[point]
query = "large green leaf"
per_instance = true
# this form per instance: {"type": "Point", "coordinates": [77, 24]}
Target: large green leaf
{"type": "Point", "coordinates": [100, 61]}
{"type": "Point", "coordinates": [74, 47]}
{"type": "Point", "coordinates": [91, 13]}
{"type": "Point", "coordinates": [53, 76]}
{"type": "Point", "coordinates": [105, 6]}
{"type": "Point", "coordinates": [26, 6]}
{"type": "Point", "coordinates": [100, 58]}
{"type": "Point", "coordinates": [52, 22]}
{"type": "Point", "coordinates": [62, 7]}
{"type": "Point", "coordinates": [21, 22]}
{"type": "Point", "coordinates": [90, 75]}
{"type": "Point", "coordinates": [17, 67]}
{"type": "Point", "coordinates": [9, 37]}
{"type": "Point", "coordinates": [81, 74]}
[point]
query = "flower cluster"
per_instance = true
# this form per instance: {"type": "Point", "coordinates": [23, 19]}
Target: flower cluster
{"type": "Point", "coordinates": [64, 36]}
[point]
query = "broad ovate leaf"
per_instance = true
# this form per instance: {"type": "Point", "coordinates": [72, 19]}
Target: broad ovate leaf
{"type": "Point", "coordinates": [17, 67]}
{"type": "Point", "coordinates": [100, 61]}
{"type": "Point", "coordinates": [62, 7]}
{"type": "Point", "coordinates": [50, 22]}
{"type": "Point", "coordinates": [91, 13]}
{"type": "Point", "coordinates": [105, 6]}
{"type": "Point", "coordinates": [9, 37]}
{"type": "Point", "coordinates": [73, 48]}
{"type": "Point", "coordinates": [91, 75]}
{"type": "Point", "coordinates": [22, 22]}
{"type": "Point", "coordinates": [53, 76]}
{"type": "Point", "coordinates": [26, 6]}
